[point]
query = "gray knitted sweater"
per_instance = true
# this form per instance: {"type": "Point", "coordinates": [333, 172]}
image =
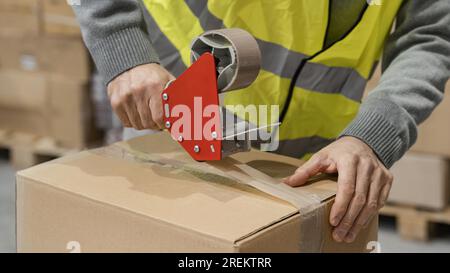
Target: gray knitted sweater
{"type": "Point", "coordinates": [416, 66]}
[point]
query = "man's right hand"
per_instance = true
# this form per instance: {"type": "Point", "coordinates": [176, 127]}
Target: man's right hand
{"type": "Point", "coordinates": [135, 96]}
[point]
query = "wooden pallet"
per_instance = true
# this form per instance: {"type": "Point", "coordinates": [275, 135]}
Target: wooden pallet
{"type": "Point", "coordinates": [27, 150]}
{"type": "Point", "coordinates": [416, 224]}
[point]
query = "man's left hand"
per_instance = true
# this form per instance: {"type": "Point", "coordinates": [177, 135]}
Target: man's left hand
{"type": "Point", "coordinates": [363, 184]}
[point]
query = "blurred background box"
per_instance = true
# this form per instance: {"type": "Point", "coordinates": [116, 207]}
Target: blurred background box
{"type": "Point", "coordinates": [65, 57]}
{"type": "Point", "coordinates": [421, 180]}
{"type": "Point", "coordinates": [19, 6]}
{"type": "Point", "coordinates": [19, 18]}
{"type": "Point", "coordinates": [72, 118]}
{"type": "Point", "coordinates": [45, 79]}
{"type": "Point", "coordinates": [64, 113]}
{"type": "Point", "coordinates": [58, 19]}
{"type": "Point", "coordinates": [32, 122]}
{"type": "Point", "coordinates": [23, 91]}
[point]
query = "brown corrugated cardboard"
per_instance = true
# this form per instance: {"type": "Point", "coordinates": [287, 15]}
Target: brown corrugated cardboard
{"type": "Point", "coordinates": [46, 105]}
{"type": "Point", "coordinates": [58, 19]}
{"type": "Point", "coordinates": [71, 113]}
{"type": "Point", "coordinates": [19, 6]}
{"type": "Point", "coordinates": [19, 18]}
{"type": "Point", "coordinates": [18, 25]}
{"type": "Point", "coordinates": [23, 91]}
{"type": "Point", "coordinates": [421, 180]}
{"type": "Point", "coordinates": [64, 57]}
{"type": "Point", "coordinates": [147, 195]}
{"type": "Point", "coordinates": [24, 121]}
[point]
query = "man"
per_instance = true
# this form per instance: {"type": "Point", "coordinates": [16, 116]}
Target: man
{"type": "Point", "coordinates": [317, 56]}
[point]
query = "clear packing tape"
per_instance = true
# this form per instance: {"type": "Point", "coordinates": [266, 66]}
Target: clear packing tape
{"type": "Point", "coordinates": [310, 205]}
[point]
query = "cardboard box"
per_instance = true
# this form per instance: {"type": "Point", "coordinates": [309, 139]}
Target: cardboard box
{"type": "Point", "coordinates": [58, 19]}
{"type": "Point", "coordinates": [63, 57]}
{"type": "Point", "coordinates": [47, 105]}
{"type": "Point", "coordinates": [25, 121]}
{"type": "Point", "coordinates": [23, 91]}
{"type": "Point", "coordinates": [72, 122]}
{"type": "Point", "coordinates": [19, 18]}
{"type": "Point", "coordinates": [148, 195]}
{"type": "Point", "coordinates": [19, 6]}
{"type": "Point", "coordinates": [18, 25]}
{"type": "Point", "coordinates": [421, 180]}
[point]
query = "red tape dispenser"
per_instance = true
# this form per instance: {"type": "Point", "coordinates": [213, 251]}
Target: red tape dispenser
{"type": "Point", "coordinates": [222, 60]}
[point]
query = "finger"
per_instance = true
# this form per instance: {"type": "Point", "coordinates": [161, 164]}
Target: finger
{"type": "Point", "coordinates": [346, 188]}
{"type": "Point", "coordinates": [363, 179]}
{"type": "Point", "coordinates": [156, 109]}
{"type": "Point", "coordinates": [312, 167]}
{"type": "Point", "coordinates": [118, 108]}
{"type": "Point", "coordinates": [145, 114]}
{"type": "Point", "coordinates": [358, 226]}
{"type": "Point", "coordinates": [171, 77]}
{"type": "Point", "coordinates": [370, 219]}
{"type": "Point", "coordinates": [133, 115]}
{"type": "Point", "coordinates": [122, 115]}
{"type": "Point", "coordinates": [123, 98]}
{"type": "Point", "coordinates": [385, 190]}
{"type": "Point", "coordinates": [371, 207]}
{"type": "Point", "coordinates": [378, 182]}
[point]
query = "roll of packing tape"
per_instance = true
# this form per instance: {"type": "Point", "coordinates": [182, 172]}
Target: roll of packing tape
{"type": "Point", "coordinates": [238, 58]}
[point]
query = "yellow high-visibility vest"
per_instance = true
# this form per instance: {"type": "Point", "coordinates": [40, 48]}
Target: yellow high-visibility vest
{"type": "Point", "coordinates": [291, 34]}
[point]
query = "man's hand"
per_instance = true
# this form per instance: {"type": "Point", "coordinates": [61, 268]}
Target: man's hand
{"type": "Point", "coordinates": [135, 96]}
{"type": "Point", "coordinates": [363, 184]}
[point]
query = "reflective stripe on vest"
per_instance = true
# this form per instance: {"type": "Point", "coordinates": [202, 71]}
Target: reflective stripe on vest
{"type": "Point", "coordinates": [330, 87]}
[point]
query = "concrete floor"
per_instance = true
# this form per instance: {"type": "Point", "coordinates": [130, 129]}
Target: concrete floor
{"type": "Point", "coordinates": [389, 240]}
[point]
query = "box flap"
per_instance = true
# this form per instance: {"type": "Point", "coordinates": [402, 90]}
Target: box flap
{"type": "Point", "coordinates": [128, 176]}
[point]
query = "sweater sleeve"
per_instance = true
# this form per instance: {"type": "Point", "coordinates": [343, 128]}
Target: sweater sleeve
{"type": "Point", "coordinates": [416, 67]}
{"type": "Point", "coordinates": [115, 34]}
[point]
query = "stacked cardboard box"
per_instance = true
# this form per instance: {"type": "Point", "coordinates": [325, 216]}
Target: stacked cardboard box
{"type": "Point", "coordinates": [422, 176]}
{"type": "Point", "coordinates": [44, 72]}
{"type": "Point", "coordinates": [19, 18]}
{"type": "Point", "coordinates": [58, 19]}
{"type": "Point", "coordinates": [421, 180]}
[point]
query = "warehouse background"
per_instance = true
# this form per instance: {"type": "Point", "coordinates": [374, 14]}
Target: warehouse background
{"type": "Point", "coordinates": [53, 103]}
